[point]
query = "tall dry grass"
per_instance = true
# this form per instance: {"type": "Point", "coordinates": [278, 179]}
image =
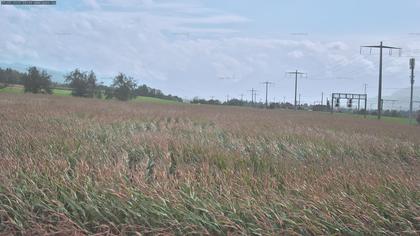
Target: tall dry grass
{"type": "Point", "coordinates": [82, 166]}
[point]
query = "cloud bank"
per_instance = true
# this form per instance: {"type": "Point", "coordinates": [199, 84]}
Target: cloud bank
{"type": "Point", "coordinates": [185, 48]}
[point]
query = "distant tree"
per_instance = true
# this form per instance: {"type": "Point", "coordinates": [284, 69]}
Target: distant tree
{"type": "Point", "coordinates": [35, 81]}
{"type": "Point", "coordinates": [123, 87]}
{"type": "Point", "coordinates": [10, 76]}
{"type": "Point", "coordinates": [144, 90]}
{"type": "Point", "coordinates": [100, 90]}
{"type": "Point", "coordinates": [91, 83]}
{"type": "Point", "coordinates": [320, 107]}
{"type": "Point", "coordinates": [234, 102]}
{"type": "Point", "coordinates": [99, 94]}
{"type": "Point", "coordinates": [108, 93]}
{"type": "Point", "coordinates": [197, 100]}
{"type": "Point", "coordinates": [82, 83]}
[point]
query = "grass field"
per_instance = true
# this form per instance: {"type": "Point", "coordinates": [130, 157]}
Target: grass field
{"type": "Point", "coordinates": [13, 89]}
{"type": "Point", "coordinates": [395, 120]}
{"type": "Point", "coordinates": [66, 92]}
{"type": "Point", "coordinates": [154, 100]}
{"type": "Point", "coordinates": [17, 89]}
{"type": "Point", "coordinates": [74, 166]}
{"type": "Point", "coordinates": [62, 92]}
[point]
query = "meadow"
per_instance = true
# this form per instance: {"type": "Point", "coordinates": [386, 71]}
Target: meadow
{"type": "Point", "coordinates": [390, 119]}
{"type": "Point", "coordinates": [74, 166]}
{"type": "Point", "coordinates": [18, 89]}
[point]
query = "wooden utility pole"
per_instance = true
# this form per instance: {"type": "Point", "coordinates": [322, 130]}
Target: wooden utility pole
{"type": "Point", "coordinates": [381, 47]}
{"type": "Point", "coordinates": [267, 83]}
{"type": "Point", "coordinates": [253, 93]}
{"type": "Point", "coordinates": [299, 99]}
{"type": "Point", "coordinates": [296, 74]}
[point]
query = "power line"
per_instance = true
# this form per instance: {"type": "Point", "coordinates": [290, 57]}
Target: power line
{"type": "Point", "coordinates": [365, 92]}
{"type": "Point", "coordinates": [267, 83]}
{"type": "Point", "coordinates": [381, 47]}
{"type": "Point", "coordinates": [393, 101]}
{"type": "Point", "coordinates": [296, 73]}
{"type": "Point", "coordinates": [242, 97]}
{"type": "Point", "coordinates": [253, 93]}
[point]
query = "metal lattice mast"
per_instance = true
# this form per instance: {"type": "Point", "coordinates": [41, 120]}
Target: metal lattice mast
{"type": "Point", "coordinates": [412, 66]}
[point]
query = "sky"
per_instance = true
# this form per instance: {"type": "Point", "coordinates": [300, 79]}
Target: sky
{"type": "Point", "coordinates": [220, 48]}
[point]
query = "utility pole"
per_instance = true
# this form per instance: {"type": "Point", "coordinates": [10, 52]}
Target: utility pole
{"type": "Point", "coordinates": [296, 73]}
{"type": "Point", "coordinates": [358, 103]}
{"type": "Point", "coordinates": [255, 97]}
{"type": "Point", "coordinates": [253, 92]}
{"type": "Point", "coordinates": [381, 47]}
{"type": "Point", "coordinates": [322, 99]}
{"type": "Point", "coordinates": [266, 92]}
{"type": "Point", "coordinates": [242, 97]}
{"type": "Point", "coordinates": [299, 99]}
{"type": "Point", "coordinates": [412, 66]}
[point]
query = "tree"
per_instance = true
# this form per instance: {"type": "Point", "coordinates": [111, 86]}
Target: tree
{"type": "Point", "coordinates": [234, 102]}
{"type": "Point", "coordinates": [109, 93]}
{"type": "Point", "coordinates": [91, 84]}
{"type": "Point", "coordinates": [10, 76]}
{"type": "Point", "coordinates": [123, 87]}
{"type": "Point", "coordinates": [144, 90]}
{"type": "Point", "coordinates": [82, 83]}
{"type": "Point", "coordinates": [35, 81]}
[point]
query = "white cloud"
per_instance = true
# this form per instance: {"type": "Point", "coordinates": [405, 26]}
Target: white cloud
{"type": "Point", "coordinates": [92, 4]}
{"type": "Point", "coordinates": [296, 54]}
{"type": "Point", "coordinates": [181, 48]}
{"type": "Point", "coordinates": [337, 46]}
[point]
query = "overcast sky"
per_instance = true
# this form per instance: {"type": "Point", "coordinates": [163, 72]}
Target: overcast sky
{"type": "Point", "coordinates": [218, 47]}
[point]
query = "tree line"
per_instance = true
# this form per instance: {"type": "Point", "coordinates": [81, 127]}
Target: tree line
{"type": "Point", "coordinates": [124, 88]}
{"type": "Point", "coordinates": [241, 102]}
{"type": "Point", "coordinates": [81, 84]}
